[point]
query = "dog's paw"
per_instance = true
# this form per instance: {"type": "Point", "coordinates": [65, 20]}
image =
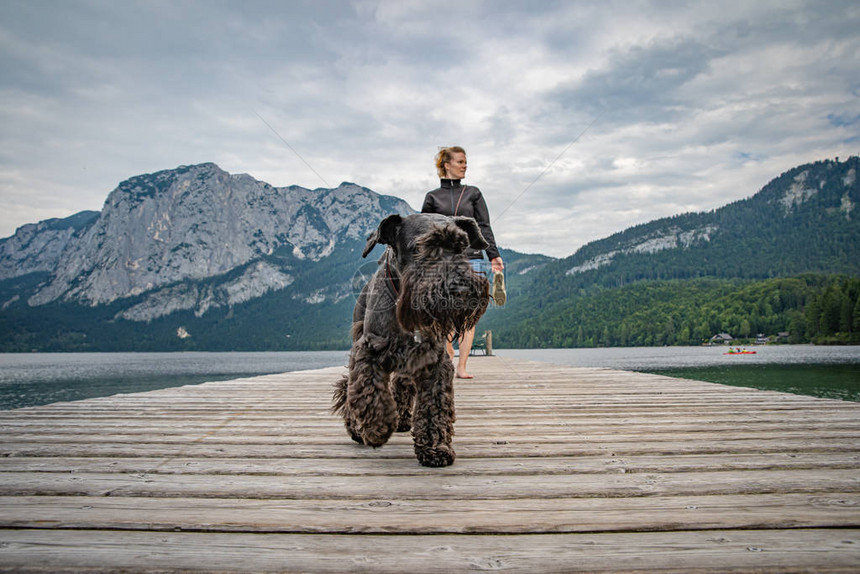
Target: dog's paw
{"type": "Point", "coordinates": [376, 437]}
{"type": "Point", "coordinates": [435, 457]}
{"type": "Point", "coordinates": [353, 434]}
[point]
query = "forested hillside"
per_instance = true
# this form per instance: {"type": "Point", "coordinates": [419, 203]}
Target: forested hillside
{"type": "Point", "coordinates": [811, 308]}
{"type": "Point", "coordinates": [783, 260]}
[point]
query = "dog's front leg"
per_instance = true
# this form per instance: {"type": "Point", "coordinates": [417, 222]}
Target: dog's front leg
{"type": "Point", "coordinates": [370, 404]}
{"type": "Point", "coordinates": [403, 388]}
{"type": "Point", "coordinates": [433, 419]}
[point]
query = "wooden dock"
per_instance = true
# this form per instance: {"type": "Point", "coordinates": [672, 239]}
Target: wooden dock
{"type": "Point", "coordinates": [559, 469]}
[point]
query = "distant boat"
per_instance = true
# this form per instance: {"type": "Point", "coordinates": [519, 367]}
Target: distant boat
{"type": "Point", "coordinates": [740, 352]}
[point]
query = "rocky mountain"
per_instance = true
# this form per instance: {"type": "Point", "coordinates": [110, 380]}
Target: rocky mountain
{"type": "Point", "coordinates": [195, 258]}
{"type": "Point", "coordinates": [38, 247]}
{"type": "Point", "coordinates": [159, 235]}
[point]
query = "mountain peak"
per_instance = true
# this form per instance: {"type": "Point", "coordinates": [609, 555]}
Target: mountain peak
{"type": "Point", "coordinates": [764, 235]}
{"type": "Point", "coordinates": [196, 222]}
{"type": "Point", "coordinates": [36, 247]}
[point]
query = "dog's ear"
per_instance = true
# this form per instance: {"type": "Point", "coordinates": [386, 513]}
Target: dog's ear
{"type": "Point", "coordinates": [384, 234]}
{"type": "Point", "coordinates": [470, 226]}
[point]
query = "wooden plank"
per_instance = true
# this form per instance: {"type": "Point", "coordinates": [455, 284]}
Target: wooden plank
{"type": "Point", "coordinates": [262, 401]}
{"type": "Point", "coordinates": [666, 423]}
{"type": "Point", "coordinates": [466, 423]}
{"type": "Point", "coordinates": [227, 435]}
{"type": "Point", "coordinates": [428, 516]}
{"type": "Point", "coordinates": [679, 552]}
{"type": "Point", "coordinates": [401, 447]}
{"type": "Point", "coordinates": [328, 466]}
{"type": "Point", "coordinates": [433, 486]}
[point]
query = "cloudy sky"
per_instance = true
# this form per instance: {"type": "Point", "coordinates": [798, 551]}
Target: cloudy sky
{"type": "Point", "coordinates": [580, 118]}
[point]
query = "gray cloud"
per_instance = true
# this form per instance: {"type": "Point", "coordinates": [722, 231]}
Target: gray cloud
{"type": "Point", "coordinates": [697, 104]}
{"type": "Point", "coordinates": [643, 83]}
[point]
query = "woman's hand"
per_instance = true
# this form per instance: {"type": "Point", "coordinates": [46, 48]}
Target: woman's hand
{"type": "Point", "coordinates": [497, 264]}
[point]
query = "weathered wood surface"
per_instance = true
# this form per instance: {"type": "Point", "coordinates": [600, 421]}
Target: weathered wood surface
{"type": "Point", "coordinates": [570, 469]}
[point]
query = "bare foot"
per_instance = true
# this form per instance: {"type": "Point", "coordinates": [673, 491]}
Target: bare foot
{"type": "Point", "coordinates": [464, 375]}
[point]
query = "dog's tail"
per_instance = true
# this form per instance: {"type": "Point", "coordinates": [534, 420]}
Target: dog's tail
{"type": "Point", "coordinates": [339, 396]}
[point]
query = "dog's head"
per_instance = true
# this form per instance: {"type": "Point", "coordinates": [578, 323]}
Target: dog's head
{"type": "Point", "coordinates": [435, 231]}
{"type": "Point", "coordinates": [439, 292]}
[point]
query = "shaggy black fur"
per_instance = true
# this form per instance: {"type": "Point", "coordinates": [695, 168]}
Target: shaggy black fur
{"type": "Point", "coordinates": [400, 376]}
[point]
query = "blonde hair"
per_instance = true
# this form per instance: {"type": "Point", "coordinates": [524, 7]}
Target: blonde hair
{"type": "Point", "coordinates": [444, 156]}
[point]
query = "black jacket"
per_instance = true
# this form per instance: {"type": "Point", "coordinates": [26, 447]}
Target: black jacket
{"type": "Point", "coordinates": [453, 198]}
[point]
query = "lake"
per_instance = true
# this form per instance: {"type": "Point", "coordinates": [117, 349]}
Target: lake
{"type": "Point", "coordinates": [827, 371]}
{"type": "Point", "coordinates": [29, 379]}
{"type": "Point", "coordinates": [42, 378]}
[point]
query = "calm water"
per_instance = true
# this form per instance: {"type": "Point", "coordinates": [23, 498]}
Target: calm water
{"type": "Point", "coordinates": [36, 379]}
{"type": "Point", "coordinates": [830, 372]}
{"type": "Point", "coordinates": [42, 378]}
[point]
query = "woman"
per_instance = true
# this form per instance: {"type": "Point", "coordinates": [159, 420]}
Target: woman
{"type": "Point", "coordinates": [454, 198]}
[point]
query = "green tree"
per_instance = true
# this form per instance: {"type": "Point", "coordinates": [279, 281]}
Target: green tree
{"type": "Point", "coordinates": [856, 321]}
{"type": "Point", "coordinates": [746, 328]}
{"type": "Point", "coordinates": [846, 311]}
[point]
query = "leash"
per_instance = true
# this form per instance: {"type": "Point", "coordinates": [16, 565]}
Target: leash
{"type": "Point", "coordinates": [462, 191]}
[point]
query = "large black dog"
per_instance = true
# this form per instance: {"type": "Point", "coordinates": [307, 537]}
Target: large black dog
{"type": "Point", "coordinates": [400, 375]}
